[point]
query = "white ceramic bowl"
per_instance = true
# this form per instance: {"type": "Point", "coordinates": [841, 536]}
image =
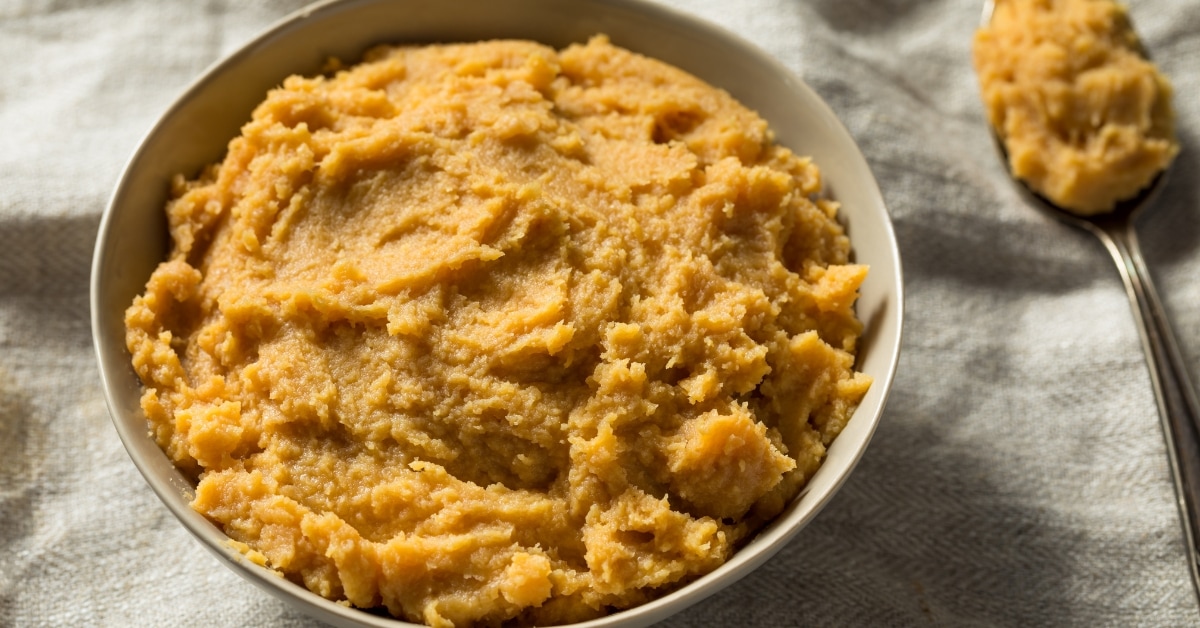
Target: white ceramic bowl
{"type": "Point", "coordinates": [195, 130]}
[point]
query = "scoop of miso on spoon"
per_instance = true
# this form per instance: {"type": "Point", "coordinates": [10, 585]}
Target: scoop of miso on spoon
{"type": "Point", "coordinates": [1084, 123]}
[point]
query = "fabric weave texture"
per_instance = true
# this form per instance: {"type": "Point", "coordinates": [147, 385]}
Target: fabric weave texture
{"type": "Point", "coordinates": [1018, 476]}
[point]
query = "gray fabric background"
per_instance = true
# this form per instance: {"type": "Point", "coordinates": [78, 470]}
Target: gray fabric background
{"type": "Point", "coordinates": [1018, 476]}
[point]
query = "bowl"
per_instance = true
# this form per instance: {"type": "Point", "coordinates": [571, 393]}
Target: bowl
{"type": "Point", "coordinates": [195, 129]}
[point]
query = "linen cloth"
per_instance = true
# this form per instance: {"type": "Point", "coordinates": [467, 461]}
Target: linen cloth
{"type": "Point", "coordinates": [1018, 476]}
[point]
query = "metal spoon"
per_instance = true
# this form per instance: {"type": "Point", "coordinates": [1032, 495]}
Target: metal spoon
{"type": "Point", "coordinates": [1177, 405]}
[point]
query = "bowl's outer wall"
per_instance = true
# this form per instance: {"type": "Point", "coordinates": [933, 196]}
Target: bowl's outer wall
{"type": "Point", "coordinates": [197, 128]}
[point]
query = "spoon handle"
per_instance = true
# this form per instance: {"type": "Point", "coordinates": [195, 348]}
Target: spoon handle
{"type": "Point", "coordinates": [1177, 406]}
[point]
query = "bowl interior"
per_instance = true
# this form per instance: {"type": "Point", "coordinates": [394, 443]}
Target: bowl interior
{"type": "Point", "coordinates": [197, 127]}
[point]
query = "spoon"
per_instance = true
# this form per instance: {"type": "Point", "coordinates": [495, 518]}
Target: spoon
{"type": "Point", "coordinates": [1176, 398]}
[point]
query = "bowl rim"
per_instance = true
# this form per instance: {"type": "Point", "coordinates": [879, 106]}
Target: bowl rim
{"type": "Point", "coordinates": [760, 548]}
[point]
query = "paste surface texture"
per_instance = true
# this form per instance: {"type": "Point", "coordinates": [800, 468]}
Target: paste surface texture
{"type": "Point", "coordinates": [1086, 120]}
{"type": "Point", "coordinates": [494, 333]}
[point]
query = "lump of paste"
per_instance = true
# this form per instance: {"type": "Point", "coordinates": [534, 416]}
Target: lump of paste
{"type": "Point", "coordinates": [1086, 120]}
{"type": "Point", "coordinates": [494, 333]}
